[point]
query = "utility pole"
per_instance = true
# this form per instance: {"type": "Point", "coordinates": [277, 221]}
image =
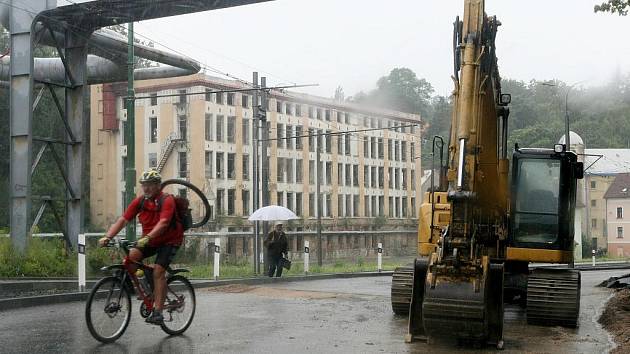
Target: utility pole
{"type": "Point", "coordinates": [319, 200]}
{"type": "Point", "coordinates": [265, 159]}
{"type": "Point", "coordinates": [256, 114]}
{"type": "Point", "coordinates": [130, 132]}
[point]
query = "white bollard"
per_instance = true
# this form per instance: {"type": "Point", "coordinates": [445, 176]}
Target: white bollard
{"type": "Point", "coordinates": [217, 255]}
{"type": "Point", "coordinates": [593, 258]}
{"type": "Point", "coordinates": [306, 254]}
{"type": "Point", "coordinates": [81, 253]}
{"type": "Point", "coordinates": [379, 257]}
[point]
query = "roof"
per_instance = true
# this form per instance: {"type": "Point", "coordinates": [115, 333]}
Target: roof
{"type": "Point", "coordinates": [620, 188]}
{"type": "Point", "coordinates": [613, 161]}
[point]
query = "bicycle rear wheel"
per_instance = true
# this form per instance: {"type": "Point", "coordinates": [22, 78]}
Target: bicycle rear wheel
{"type": "Point", "coordinates": [179, 306]}
{"type": "Point", "coordinates": [108, 310]}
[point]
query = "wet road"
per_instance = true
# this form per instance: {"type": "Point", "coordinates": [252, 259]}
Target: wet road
{"type": "Point", "coordinates": [324, 316]}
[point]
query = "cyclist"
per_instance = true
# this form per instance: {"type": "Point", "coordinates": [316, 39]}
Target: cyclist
{"type": "Point", "coordinates": [162, 234]}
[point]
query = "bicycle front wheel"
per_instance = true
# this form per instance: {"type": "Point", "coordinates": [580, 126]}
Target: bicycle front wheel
{"type": "Point", "coordinates": [108, 310]}
{"type": "Point", "coordinates": [179, 305]}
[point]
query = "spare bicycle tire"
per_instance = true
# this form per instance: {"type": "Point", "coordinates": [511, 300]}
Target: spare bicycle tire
{"type": "Point", "coordinates": [199, 193]}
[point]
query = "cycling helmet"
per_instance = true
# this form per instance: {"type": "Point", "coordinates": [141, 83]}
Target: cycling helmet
{"type": "Point", "coordinates": [150, 176]}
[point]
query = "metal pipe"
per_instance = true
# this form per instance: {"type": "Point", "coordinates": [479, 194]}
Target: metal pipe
{"type": "Point", "coordinates": [460, 163]}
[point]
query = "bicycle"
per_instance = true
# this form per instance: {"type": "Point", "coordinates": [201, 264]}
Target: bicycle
{"type": "Point", "coordinates": [111, 298]}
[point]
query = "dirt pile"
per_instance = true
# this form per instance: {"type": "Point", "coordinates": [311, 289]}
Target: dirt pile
{"type": "Point", "coordinates": [616, 320]}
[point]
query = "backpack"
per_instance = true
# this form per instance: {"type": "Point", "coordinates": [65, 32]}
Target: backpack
{"type": "Point", "coordinates": [182, 212]}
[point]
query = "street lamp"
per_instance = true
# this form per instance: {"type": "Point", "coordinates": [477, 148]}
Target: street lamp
{"type": "Point", "coordinates": [567, 139]}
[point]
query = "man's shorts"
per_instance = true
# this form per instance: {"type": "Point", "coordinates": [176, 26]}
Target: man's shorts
{"type": "Point", "coordinates": [165, 254]}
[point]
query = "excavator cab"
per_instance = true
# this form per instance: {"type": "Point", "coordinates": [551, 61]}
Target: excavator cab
{"type": "Point", "coordinates": [542, 204]}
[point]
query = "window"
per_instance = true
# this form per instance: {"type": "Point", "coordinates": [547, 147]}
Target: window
{"type": "Point", "coordinates": [230, 98]}
{"type": "Point", "coordinates": [340, 207]}
{"type": "Point", "coordinates": [280, 135]}
{"type": "Point", "coordinates": [311, 172]}
{"type": "Point", "coordinates": [311, 139]}
{"type": "Point", "coordinates": [298, 111]}
{"type": "Point", "coordinates": [278, 106]}
{"type": "Point", "coordinates": [231, 170]}
{"type": "Point", "coordinates": [593, 223]}
{"type": "Point", "coordinates": [154, 99]}
{"type": "Point", "coordinates": [328, 138]}
{"type": "Point", "coordinates": [183, 164]}
{"type": "Point", "coordinates": [373, 180]}
{"type": "Point", "coordinates": [366, 206]}
{"type": "Point", "coordinates": [619, 213]}
{"type": "Point", "coordinates": [347, 144]}
{"type": "Point", "coordinates": [182, 96]}
{"type": "Point", "coordinates": [287, 109]}
{"type": "Point", "coordinates": [328, 114]}
{"type": "Point", "coordinates": [339, 117]}
{"type": "Point", "coordinates": [289, 168]}
{"type": "Point", "coordinates": [328, 172]}
{"type": "Point", "coordinates": [593, 202]}
{"type": "Point", "coordinates": [312, 205]}
{"type": "Point", "coordinates": [152, 160]}
{"type": "Point", "coordinates": [348, 175]}
{"type": "Point", "coordinates": [246, 167]}
{"type": "Point", "coordinates": [339, 144]}
{"type": "Point", "coordinates": [231, 129]}
{"type": "Point", "coordinates": [390, 176]}
{"type": "Point", "coordinates": [355, 175]}
{"type": "Point", "coordinates": [153, 130]}
{"type": "Point", "coordinates": [347, 118]}
{"type": "Point", "coordinates": [208, 165]}
{"type": "Point", "coordinates": [290, 201]}
{"type": "Point", "coordinates": [403, 150]}
{"type": "Point", "coordinates": [620, 232]}
{"type": "Point", "coordinates": [208, 97]}
{"type": "Point", "coordinates": [404, 178]}
{"type": "Point", "coordinates": [280, 198]}
{"type": "Point", "coordinates": [340, 174]}
{"type": "Point", "coordinates": [280, 169]}
{"type": "Point", "coordinates": [298, 204]}
{"type": "Point", "coordinates": [208, 126]}
{"type": "Point", "coordinates": [381, 177]}
{"type": "Point", "coordinates": [390, 149]}
{"type": "Point", "coordinates": [593, 184]}
{"type": "Point", "coordinates": [366, 144]}
{"type": "Point", "coordinates": [396, 179]}
{"type": "Point", "coordinates": [311, 112]}
{"type": "Point", "coordinates": [374, 147]}
{"type": "Point", "coordinates": [412, 147]}
{"type": "Point", "coordinates": [380, 148]}
{"type": "Point", "coordinates": [366, 176]}
{"type": "Point", "coordinates": [404, 207]}
{"type": "Point", "coordinates": [220, 195]}
{"type": "Point", "coordinates": [396, 151]}
{"type": "Point", "coordinates": [298, 139]}
{"type": "Point", "coordinates": [391, 207]}
{"type": "Point", "coordinates": [289, 134]}
{"type": "Point", "coordinates": [245, 129]}
{"type": "Point", "coordinates": [413, 207]}
{"type": "Point", "coordinates": [230, 201]}
{"type": "Point", "coordinates": [245, 197]}
{"type": "Point", "coordinates": [183, 126]}
{"type": "Point", "coordinates": [219, 129]}
{"type": "Point", "coordinates": [298, 171]}
{"type": "Point", "coordinates": [219, 97]}
{"type": "Point", "coordinates": [245, 101]}
{"type": "Point", "coordinates": [319, 113]}
{"type": "Point", "coordinates": [328, 203]}
{"type": "Point", "coordinates": [219, 165]}
{"type": "Point", "coordinates": [320, 139]}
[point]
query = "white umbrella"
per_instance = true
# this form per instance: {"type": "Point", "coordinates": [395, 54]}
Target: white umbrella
{"type": "Point", "coordinates": [272, 213]}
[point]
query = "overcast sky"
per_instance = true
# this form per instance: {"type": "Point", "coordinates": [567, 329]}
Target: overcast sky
{"type": "Point", "coordinates": [351, 43]}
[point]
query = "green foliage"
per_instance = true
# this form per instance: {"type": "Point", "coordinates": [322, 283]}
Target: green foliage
{"type": "Point", "coordinates": [378, 222]}
{"type": "Point", "coordinates": [43, 258]}
{"type": "Point", "coordinates": [614, 6]}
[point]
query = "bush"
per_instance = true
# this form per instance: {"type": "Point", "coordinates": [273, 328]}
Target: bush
{"type": "Point", "coordinates": [43, 258]}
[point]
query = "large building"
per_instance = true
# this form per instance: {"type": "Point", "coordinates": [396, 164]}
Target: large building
{"type": "Point", "coordinates": [207, 138]}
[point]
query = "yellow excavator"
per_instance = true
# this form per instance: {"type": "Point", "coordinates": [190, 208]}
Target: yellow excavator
{"type": "Point", "coordinates": [481, 226]}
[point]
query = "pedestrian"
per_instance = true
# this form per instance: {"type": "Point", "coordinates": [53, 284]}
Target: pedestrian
{"type": "Point", "coordinates": [277, 246]}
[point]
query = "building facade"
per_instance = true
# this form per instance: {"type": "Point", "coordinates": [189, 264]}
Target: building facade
{"type": "Point", "coordinates": [617, 218]}
{"type": "Point", "coordinates": [207, 138]}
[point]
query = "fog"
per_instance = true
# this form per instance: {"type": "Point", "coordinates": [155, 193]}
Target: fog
{"type": "Point", "coordinates": [352, 43]}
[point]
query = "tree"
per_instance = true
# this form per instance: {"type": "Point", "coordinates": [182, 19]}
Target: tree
{"type": "Point", "coordinates": [614, 6]}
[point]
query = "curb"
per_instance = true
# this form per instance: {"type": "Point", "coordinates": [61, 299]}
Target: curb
{"type": "Point", "coordinates": [29, 301]}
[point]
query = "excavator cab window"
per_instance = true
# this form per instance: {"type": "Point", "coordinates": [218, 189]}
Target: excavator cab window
{"type": "Point", "coordinates": [536, 207]}
{"type": "Point", "coordinates": [543, 198]}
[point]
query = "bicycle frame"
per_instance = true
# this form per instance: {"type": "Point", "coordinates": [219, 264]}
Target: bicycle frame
{"type": "Point", "coordinates": [128, 265]}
